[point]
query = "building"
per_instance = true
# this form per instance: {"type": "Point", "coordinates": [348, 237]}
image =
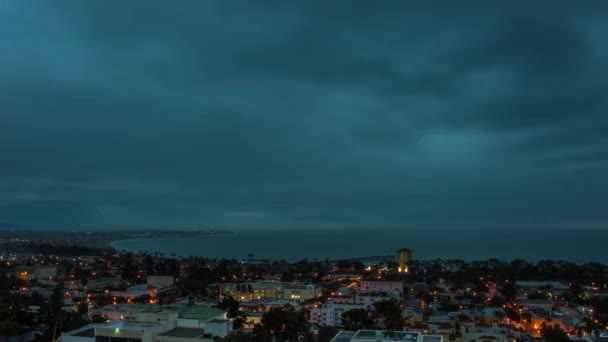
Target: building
{"type": "Point", "coordinates": [371, 297]}
{"type": "Point", "coordinates": [36, 272]}
{"type": "Point", "coordinates": [330, 313]}
{"type": "Point", "coordinates": [116, 331]}
{"type": "Point", "coordinates": [147, 290]}
{"type": "Point", "coordinates": [384, 336]}
{"type": "Point", "coordinates": [526, 287]}
{"type": "Point", "coordinates": [265, 304]}
{"type": "Point", "coordinates": [124, 331]}
{"type": "Point", "coordinates": [183, 335]}
{"type": "Point", "coordinates": [342, 298]}
{"type": "Point", "coordinates": [160, 280]}
{"type": "Point", "coordinates": [300, 292]}
{"type": "Point", "coordinates": [213, 321]}
{"type": "Point", "coordinates": [140, 313]}
{"type": "Point", "coordinates": [149, 323]}
{"type": "Point", "coordinates": [269, 289]}
{"type": "Point", "coordinates": [403, 258]}
{"type": "Point", "coordinates": [381, 285]}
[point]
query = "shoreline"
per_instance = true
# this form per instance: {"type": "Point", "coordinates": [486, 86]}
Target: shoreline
{"type": "Point", "coordinates": [348, 245]}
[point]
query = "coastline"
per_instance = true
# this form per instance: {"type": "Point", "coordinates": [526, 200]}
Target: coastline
{"type": "Point", "coordinates": [137, 236]}
{"type": "Point", "coordinates": [340, 245]}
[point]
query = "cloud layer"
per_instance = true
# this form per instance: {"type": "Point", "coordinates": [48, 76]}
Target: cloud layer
{"type": "Point", "coordinates": [303, 114]}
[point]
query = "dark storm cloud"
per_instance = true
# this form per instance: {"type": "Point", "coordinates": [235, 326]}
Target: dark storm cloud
{"type": "Point", "coordinates": [286, 114]}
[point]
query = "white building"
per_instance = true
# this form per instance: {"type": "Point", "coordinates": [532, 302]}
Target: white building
{"type": "Point", "coordinates": [330, 313]}
{"type": "Point", "coordinates": [35, 272]}
{"type": "Point", "coordinates": [370, 297]}
{"type": "Point", "coordinates": [300, 292]}
{"type": "Point", "coordinates": [117, 331]}
{"type": "Point", "coordinates": [244, 292]}
{"type": "Point", "coordinates": [381, 285]}
{"type": "Point", "coordinates": [213, 321]}
{"type": "Point", "coordinates": [384, 336]}
{"type": "Point", "coordinates": [160, 280]}
{"type": "Point", "coordinates": [149, 323]}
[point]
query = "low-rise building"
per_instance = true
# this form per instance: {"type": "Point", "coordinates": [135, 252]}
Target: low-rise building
{"type": "Point", "coordinates": [529, 286]}
{"type": "Point", "coordinates": [35, 272]}
{"type": "Point", "coordinates": [212, 320]}
{"type": "Point", "coordinates": [371, 297]}
{"type": "Point", "coordinates": [244, 292]}
{"type": "Point", "coordinates": [384, 336]}
{"type": "Point", "coordinates": [141, 323]}
{"type": "Point", "coordinates": [164, 280]}
{"type": "Point", "coordinates": [381, 285]}
{"type": "Point", "coordinates": [330, 313]}
{"type": "Point", "coordinates": [183, 335]}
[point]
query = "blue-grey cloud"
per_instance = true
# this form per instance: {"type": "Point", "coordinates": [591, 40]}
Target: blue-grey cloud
{"type": "Point", "coordinates": [299, 114]}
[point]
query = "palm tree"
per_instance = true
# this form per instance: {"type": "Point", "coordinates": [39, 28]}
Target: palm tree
{"type": "Point", "coordinates": [84, 281]}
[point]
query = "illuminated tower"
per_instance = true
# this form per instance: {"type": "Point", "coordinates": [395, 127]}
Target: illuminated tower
{"type": "Point", "coordinates": [404, 257]}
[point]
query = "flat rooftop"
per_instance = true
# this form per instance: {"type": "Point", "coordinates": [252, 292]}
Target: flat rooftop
{"type": "Point", "coordinates": [128, 325]}
{"type": "Point", "coordinates": [432, 338]}
{"type": "Point", "coordinates": [384, 335]}
{"type": "Point", "coordinates": [86, 333]}
{"type": "Point", "coordinates": [183, 332]}
{"type": "Point", "coordinates": [199, 312]}
{"type": "Point", "coordinates": [343, 336]}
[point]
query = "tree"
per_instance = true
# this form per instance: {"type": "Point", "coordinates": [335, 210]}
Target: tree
{"type": "Point", "coordinates": [449, 307]}
{"type": "Point", "coordinates": [239, 336]}
{"type": "Point", "coordinates": [84, 281]}
{"type": "Point", "coordinates": [513, 314]}
{"type": "Point", "coordinates": [497, 301]}
{"type": "Point", "coordinates": [232, 311]}
{"type": "Point", "coordinates": [82, 308]}
{"type": "Point", "coordinates": [576, 289]}
{"type": "Point", "coordinates": [425, 296]}
{"type": "Point", "coordinates": [356, 319]}
{"type": "Point", "coordinates": [508, 291]}
{"type": "Point", "coordinates": [53, 311]}
{"type": "Point", "coordinates": [284, 324]}
{"type": "Point", "coordinates": [8, 329]}
{"type": "Point", "coordinates": [553, 333]}
{"type": "Point", "coordinates": [592, 327]}
{"type": "Point", "coordinates": [97, 318]}
{"type": "Point", "coordinates": [390, 312]}
{"type": "Point", "coordinates": [327, 333]}
{"type": "Point", "coordinates": [499, 314]}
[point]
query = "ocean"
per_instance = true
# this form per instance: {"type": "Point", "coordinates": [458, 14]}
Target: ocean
{"type": "Point", "coordinates": [293, 245]}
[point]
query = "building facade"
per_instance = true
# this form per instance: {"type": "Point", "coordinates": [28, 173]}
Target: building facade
{"type": "Point", "coordinates": [330, 313]}
{"type": "Point", "coordinates": [403, 258]}
{"type": "Point", "coordinates": [381, 285]}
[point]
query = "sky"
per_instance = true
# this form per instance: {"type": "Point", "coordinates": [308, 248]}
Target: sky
{"type": "Point", "coordinates": [303, 114]}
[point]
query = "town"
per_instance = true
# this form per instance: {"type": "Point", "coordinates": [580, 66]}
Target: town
{"type": "Point", "coordinates": [104, 295]}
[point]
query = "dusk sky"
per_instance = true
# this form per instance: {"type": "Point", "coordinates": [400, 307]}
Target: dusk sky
{"type": "Point", "coordinates": [296, 114]}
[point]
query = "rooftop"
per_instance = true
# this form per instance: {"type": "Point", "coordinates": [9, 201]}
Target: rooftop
{"type": "Point", "coordinates": [217, 320]}
{"type": "Point", "coordinates": [89, 332]}
{"type": "Point", "coordinates": [540, 283]}
{"type": "Point", "coordinates": [384, 335]}
{"type": "Point", "coordinates": [183, 332]}
{"type": "Point", "coordinates": [431, 338]}
{"type": "Point", "coordinates": [199, 312]}
{"type": "Point", "coordinates": [343, 336]}
{"type": "Point", "coordinates": [127, 325]}
{"type": "Point", "coordinates": [380, 334]}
